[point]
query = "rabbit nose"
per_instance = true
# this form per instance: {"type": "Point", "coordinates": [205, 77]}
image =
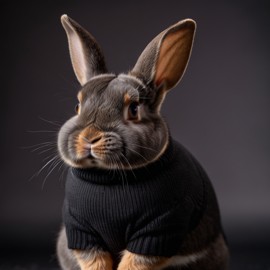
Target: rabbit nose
{"type": "Point", "coordinates": [95, 140]}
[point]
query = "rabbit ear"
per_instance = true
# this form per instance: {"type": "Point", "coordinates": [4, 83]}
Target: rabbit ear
{"type": "Point", "coordinates": [86, 56]}
{"type": "Point", "coordinates": [165, 58]}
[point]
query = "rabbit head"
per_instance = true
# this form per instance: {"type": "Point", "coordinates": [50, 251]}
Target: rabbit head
{"type": "Point", "coordinates": [118, 122]}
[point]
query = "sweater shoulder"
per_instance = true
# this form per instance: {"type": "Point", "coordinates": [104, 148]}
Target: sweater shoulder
{"type": "Point", "coordinates": [196, 180]}
{"type": "Point", "coordinates": [184, 156]}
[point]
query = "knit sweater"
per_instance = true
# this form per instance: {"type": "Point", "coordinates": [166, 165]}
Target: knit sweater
{"type": "Point", "coordinates": [147, 211]}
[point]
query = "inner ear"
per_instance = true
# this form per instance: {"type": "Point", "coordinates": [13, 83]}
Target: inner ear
{"type": "Point", "coordinates": [164, 60]}
{"type": "Point", "coordinates": [174, 53]}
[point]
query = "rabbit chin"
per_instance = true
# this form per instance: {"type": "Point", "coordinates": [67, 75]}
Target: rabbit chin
{"type": "Point", "coordinates": [87, 163]}
{"type": "Point", "coordinates": [94, 162]}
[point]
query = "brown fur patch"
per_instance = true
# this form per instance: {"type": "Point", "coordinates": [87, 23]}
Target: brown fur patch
{"type": "Point", "coordinates": [217, 257]}
{"type": "Point", "coordinates": [131, 261]}
{"type": "Point", "coordinates": [80, 96]}
{"type": "Point", "coordinates": [94, 260]}
{"type": "Point", "coordinates": [91, 134]}
{"type": "Point", "coordinates": [87, 137]}
{"type": "Point", "coordinates": [127, 99]}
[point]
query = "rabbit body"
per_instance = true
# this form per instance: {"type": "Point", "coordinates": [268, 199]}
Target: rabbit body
{"type": "Point", "coordinates": [135, 198]}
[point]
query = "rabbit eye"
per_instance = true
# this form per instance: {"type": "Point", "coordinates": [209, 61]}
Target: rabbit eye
{"type": "Point", "coordinates": [133, 111]}
{"type": "Point", "coordinates": [77, 108]}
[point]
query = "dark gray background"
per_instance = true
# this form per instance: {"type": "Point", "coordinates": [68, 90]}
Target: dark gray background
{"type": "Point", "coordinates": [220, 110]}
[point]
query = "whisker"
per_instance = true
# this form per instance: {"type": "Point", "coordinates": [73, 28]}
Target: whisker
{"type": "Point", "coordinates": [42, 131]}
{"type": "Point", "coordinates": [49, 162]}
{"type": "Point", "coordinates": [60, 168]}
{"type": "Point", "coordinates": [142, 165]}
{"type": "Point", "coordinates": [61, 178]}
{"type": "Point", "coordinates": [55, 123]}
{"type": "Point", "coordinates": [46, 150]}
{"type": "Point", "coordinates": [111, 166]}
{"type": "Point", "coordinates": [130, 167]}
{"type": "Point", "coordinates": [123, 173]}
{"type": "Point", "coordinates": [44, 144]}
{"type": "Point", "coordinates": [52, 159]}
{"type": "Point", "coordinates": [51, 155]}
{"type": "Point", "coordinates": [138, 154]}
{"type": "Point", "coordinates": [53, 165]}
{"type": "Point", "coordinates": [43, 167]}
{"type": "Point", "coordinates": [143, 147]}
{"type": "Point", "coordinates": [120, 170]}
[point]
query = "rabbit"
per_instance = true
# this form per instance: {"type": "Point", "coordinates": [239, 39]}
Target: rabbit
{"type": "Point", "coordinates": [135, 199]}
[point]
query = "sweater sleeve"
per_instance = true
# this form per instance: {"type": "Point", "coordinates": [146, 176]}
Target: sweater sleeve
{"type": "Point", "coordinates": [80, 235]}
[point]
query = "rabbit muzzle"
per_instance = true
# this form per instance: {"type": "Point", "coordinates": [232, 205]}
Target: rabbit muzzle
{"type": "Point", "coordinates": [98, 148]}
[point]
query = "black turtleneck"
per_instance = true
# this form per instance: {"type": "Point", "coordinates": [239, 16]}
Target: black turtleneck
{"type": "Point", "coordinates": [147, 211]}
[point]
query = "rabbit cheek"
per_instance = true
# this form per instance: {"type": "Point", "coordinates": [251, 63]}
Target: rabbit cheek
{"type": "Point", "coordinates": [66, 142]}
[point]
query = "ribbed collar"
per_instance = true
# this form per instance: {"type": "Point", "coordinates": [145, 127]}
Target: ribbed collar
{"type": "Point", "coordinates": [108, 177]}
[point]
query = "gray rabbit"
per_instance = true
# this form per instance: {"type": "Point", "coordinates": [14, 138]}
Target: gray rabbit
{"type": "Point", "coordinates": [135, 198]}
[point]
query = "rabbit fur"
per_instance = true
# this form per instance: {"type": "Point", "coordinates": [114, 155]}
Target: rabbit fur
{"type": "Point", "coordinates": [118, 128]}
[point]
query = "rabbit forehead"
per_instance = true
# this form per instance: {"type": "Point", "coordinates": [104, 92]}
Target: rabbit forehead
{"type": "Point", "coordinates": [110, 87]}
{"type": "Point", "coordinates": [125, 83]}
